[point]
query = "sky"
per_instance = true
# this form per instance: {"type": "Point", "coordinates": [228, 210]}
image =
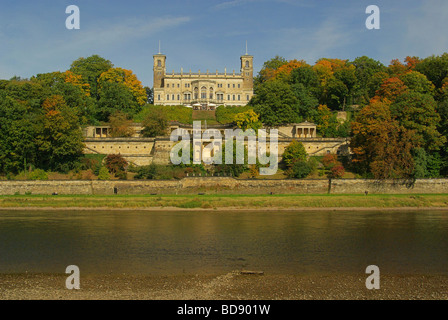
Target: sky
{"type": "Point", "coordinates": [212, 34]}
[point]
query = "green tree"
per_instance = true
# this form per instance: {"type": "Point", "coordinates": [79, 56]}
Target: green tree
{"type": "Point", "coordinates": [17, 131]}
{"type": "Point", "coordinates": [275, 103]}
{"type": "Point", "coordinates": [103, 174]}
{"type": "Point", "coordinates": [90, 69]}
{"type": "Point", "coordinates": [417, 82]}
{"type": "Point", "coordinates": [365, 70]}
{"type": "Point", "coordinates": [115, 97]}
{"type": "Point", "coordinates": [417, 112]}
{"type": "Point", "coordinates": [435, 68]}
{"type": "Point", "coordinates": [58, 138]}
{"type": "Point", "coordinates": [300, 169]}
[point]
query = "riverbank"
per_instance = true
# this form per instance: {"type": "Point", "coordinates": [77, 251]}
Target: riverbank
{"type": "Point", "coordinates": [230, 286]}
{"type": "Point", "coordinates": [227, 202]}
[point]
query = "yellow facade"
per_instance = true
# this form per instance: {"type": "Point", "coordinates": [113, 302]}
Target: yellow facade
{"type": "Point", "coordinates": [203, 90]}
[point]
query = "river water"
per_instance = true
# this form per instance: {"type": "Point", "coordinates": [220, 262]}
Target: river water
{"type": "Point", "coordinates": [188, 242]}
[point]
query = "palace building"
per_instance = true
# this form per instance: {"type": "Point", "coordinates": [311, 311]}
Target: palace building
{"type": "Point", "coordinates": [203, 90]}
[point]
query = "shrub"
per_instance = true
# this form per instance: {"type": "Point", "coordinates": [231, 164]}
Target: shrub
{"type": "Point", "coordinates": [336, 172]}
{"type": "Point", "coordinates": [38, 174]}
{"type": "Point", "coordinates": [103, 174]}
{"type": "Point", "coordinates": [300, 169]}
{"type": "Point", "coordinates": [115, 163]}
{"type": "Point", "coordinates": [146, 172]}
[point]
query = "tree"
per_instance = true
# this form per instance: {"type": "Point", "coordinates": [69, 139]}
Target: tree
{"type": "Point", "coordinates": [300, 169]}
{"type": "Point", "coordinates": [126, 77]}
{"type": "Point", "coordinates": [103, 174]}
{"type": "Point", "coordinates": [391, 88]}
{"type": "Point", "coordinates": [248, 120]}
{"type": "Point", "coordinates": [116, 164]}
{"type": "Point", "coordinates": [17, 132]}
{"type": "Point", "coordinates": [294, 152]}
{"type": "Point", "coordinates": [417, 112]}
{"type": "Point", "coordinates": [275, 103]}
{"type": "Point", "coordinates": [365, 69]}
{"type": "Point", "coordinates": [90, 69]}
{"type": "Point", "coordinates": [380, 145]}
{"type": "Point", "coordinates": [155, 124]}
{"type": "Point", "coordinates": [120, 125]}
{"type": "Point", "coordinates": [435, 68]}
{"type": "Point", "coordinates": [417, 82]}
{"type": "Point", "coordinates": [115, 97]}
{"type": "Point", "coordinates": [267, 72]}
{"type": "Point", "coordinates": [58, 137]}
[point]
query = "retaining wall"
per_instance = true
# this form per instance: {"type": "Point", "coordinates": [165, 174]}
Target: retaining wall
{"type": "Point", "coordinates": [223, 185]}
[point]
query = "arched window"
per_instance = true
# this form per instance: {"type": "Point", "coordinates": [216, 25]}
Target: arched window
{"type": "Point", "coordinates": [196, 93]}
{"type": "Point", "coordinates": [247, 64]}
{"type": "Point", "coordinates": [203, 93]}
{"type": "Point", "coordinates": [159, 63]}
{"type": "Point", "coordinates": [211, 93]}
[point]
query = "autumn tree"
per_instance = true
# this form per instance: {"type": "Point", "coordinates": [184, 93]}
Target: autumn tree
{"type": "Point", "coordinates": [380, 145]}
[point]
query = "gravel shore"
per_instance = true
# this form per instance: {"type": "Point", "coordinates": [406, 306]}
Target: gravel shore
{"type": "Point", "coordinates": [230, 286]}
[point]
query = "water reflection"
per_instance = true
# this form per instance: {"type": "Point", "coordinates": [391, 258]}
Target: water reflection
{"type": "Point", "coordinates": [142, 242]}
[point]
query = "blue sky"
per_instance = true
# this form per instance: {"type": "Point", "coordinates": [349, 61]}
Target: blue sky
{"type": "Point", "coordinates": [212, 34]}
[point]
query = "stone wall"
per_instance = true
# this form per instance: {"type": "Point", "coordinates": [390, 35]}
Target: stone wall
{"type": "Point", "coordinates": [220, 185]}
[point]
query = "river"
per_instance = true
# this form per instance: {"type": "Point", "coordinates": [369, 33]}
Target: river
{"type": "Point", "coordinates": [210, 242]}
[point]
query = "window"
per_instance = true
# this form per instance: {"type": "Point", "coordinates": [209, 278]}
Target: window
{"type": "Point", "coordinates": [203, 93]}
{"type": "Point", "coordinates": [238, 85]}
{"type": "Point", "coordinates": [247, 98]}
{"type": "Point", "coordinates": [247, 64]}
{"type": "Point", "coordinates": [228, 97]}
{"type": "Point", "coordinates": [167, 85]}
{"type": "Point", "coordinates": [228, 85]}
{"type": "Point", "coordinates": [187, 96]}
{"type": "Point", "coordinates": [158, 97]}
{"type": "Point", "coordinates": [196, 93]}
{"type": "Point", "coordinates": [234, 85]}
{"type": "Point", "coordinates": [178, 85]}
{"type": "Point", "coordinates": [211, 93]}
{"type": "Point", "coordinates": [159, 63]}
{"type": "Point", "coordinates": [167, 97]}
{"type": "Point", "coordinates": [238, 97]}
{"type": "Point", "coordinates": [233, 98]}
{"type": "Point", "coordinates": [172, 97]}
{"type": "Point", "coordinates": [178, 97]}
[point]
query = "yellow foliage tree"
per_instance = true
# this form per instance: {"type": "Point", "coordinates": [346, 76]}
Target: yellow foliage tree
{"type": "Point", "coordinates": [76, 80]}
{"type": "Point", "coordinates": [128, 78]}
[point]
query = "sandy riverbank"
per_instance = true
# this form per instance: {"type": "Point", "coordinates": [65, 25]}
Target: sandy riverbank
{"type": "Point", "coordinates": [228, 286]}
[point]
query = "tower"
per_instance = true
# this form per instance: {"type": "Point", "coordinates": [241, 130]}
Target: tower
{"type": "Point", "coordinates": [247, 71]}
{"type": "Point", "coordinates": [159, 69]}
